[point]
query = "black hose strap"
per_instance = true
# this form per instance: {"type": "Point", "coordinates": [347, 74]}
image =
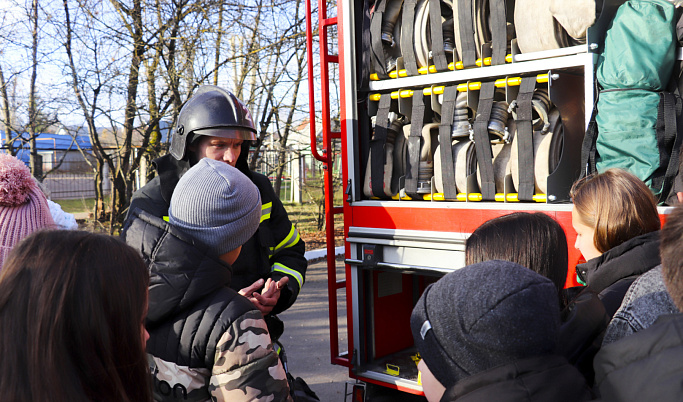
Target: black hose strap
{"type": "Point", "coordinates": [413, 159]}
{"type": "Point", "coordinates": [468, 52]}
{"type": "Point", "coordinates": [378, 146]}
{"type": "Point", "coordinates": [498, 26]}
{"type": "Point", "coordinates": [436, 30]}
{"type": "Point", "coordinates": [447, 163]}
{"type": "Point", "coordinates": [525, 139]}
{"type": "Point", "coordinates": [482, 143]}
{"type": "Point", "coordinates": [378, 59]}
{"type": "Point", "coordinates": [407, 34]}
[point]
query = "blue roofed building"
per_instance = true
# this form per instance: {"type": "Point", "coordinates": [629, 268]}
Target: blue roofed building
{"type": "Point", "coordinates": [53, 148]}
{"type": "Point", "coordinates": [67, 157]}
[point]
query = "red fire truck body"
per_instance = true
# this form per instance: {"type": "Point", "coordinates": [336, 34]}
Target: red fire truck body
{"type": "Point", "coordinates": [395, 247]}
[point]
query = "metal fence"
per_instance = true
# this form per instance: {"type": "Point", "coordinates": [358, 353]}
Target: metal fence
{"type": "Point", "coordinates": [72, 180]}
{"type": "Point", "coordinates": [75, 179]}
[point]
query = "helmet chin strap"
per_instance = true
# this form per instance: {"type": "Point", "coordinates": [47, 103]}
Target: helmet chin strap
{"type": "Point", "coordinates": [191, 156]}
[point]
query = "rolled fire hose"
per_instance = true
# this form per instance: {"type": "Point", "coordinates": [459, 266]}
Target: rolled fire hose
{"type": "Point", "coordinates": [421, 33]}
{"type": "Point", "coordinates": [498, 131]}
{"type": "Point", "coordinates": [575, 16]}
{"type": "Point", "coordinates": [396, 124]}
{"type": "Point", "coordinates": [464, 155]}
{"type": "Point", "coordinates": [541, 104]}
{"type": "Point", "coordinates": [389, 19]}
{"type": "Point", "coordinates": [461, 115]}
{"type": "Point", "coordinates": [391, 33]}
{"type": "Point", "coordinates": [447, 26]}
{"type": "Point", "coordinates": [464, 161]}
{"type": "Point", "coordinates": [399, 156]}
{"type": "Point", "coordinates": [460, 133]}
{"type": "Point", "coordinates": [457, 33]}
{"type": "Point", "coordinates": [552, 24]}
{"type": "Point", "coordinates": [547, 153]}
{"type": "Point", "coordinates": [481, 29]}
{"type": "Point", "coordinates": [448, 33]}
{"type": "Point", "coordinates": [395, 49]}
{"type": "Point", "coordinates": [501, 157]}
{"type": "Point", "coordinates": [421, 36]}
{"type": "Point", "coordinates": [430, 139]}
{"type": "Point", "coordinates": [499, 128]}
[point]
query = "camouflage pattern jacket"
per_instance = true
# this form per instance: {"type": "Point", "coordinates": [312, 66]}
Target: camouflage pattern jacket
{"type": "Point", "coordinates": [206, 341]}
{"type": "Point", "coordinates": [274, 251]}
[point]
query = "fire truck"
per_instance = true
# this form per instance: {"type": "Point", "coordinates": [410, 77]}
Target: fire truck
{"type": "Point", "coordinates": [432, 116]}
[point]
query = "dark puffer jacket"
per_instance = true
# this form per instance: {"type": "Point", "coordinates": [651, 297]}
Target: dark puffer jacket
{"type": "Point", "coordinates": [206, 341]}
{"type": "Point", "coordinates": [274, 251]}
{"type": "Point", "coordinates": [645, 366]}
{"type": "Point", "coordinates": [537, 379]}
{"type": "Point", "coordinates": [612, 273]}
{"type": "Point", "coordinates": [584, 322]}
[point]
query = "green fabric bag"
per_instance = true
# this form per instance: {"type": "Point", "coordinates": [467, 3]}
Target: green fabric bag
{"type": "Point", "coordinates": [637, 63]}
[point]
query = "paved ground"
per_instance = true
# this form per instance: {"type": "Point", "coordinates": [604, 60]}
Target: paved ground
{"type": "Point", "coordinates": [307, 336]}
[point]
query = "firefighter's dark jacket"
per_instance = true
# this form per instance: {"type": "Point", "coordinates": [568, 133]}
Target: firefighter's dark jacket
{"type": "Point", "coordinates": [275, 250]}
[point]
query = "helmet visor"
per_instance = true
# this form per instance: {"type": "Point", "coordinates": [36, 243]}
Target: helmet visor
{"type": "Point", "coordinates": [246, 135]}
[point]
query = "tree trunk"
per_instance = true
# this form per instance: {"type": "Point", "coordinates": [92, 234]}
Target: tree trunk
{"type": "Point", "coordinates": [120, 191]}
{"type": "Point", "coordinates": [118, 195]}
{"type": "Point", "coordinates": [99, 212]}
{"type": "Point", "coordinates": [219, 36]}
{"type": "Point", "coordinates": [7, 115]}
{"type": "Point", "coordinates": [89, 114]}
{"type": "Point", "coordinates": [282, 152]}
{"type": "Point", "coordinates": [36, 169]}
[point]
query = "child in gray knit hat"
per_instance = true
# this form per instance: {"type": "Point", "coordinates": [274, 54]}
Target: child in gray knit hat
{"type": "Point", "coordinates": [226, 214]}
{"type": "Point", "coordinates": [488, 331]}
{"type": "Point", "coordinates": [206, 342]}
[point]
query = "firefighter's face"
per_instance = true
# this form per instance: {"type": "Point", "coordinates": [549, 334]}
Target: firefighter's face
{"type": "Point", "coordinates": [585, 234]}
{"type": "Point", "coordinates": [218, 148]}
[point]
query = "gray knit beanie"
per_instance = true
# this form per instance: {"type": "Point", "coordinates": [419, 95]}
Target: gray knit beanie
{"type": "Point", "coordinates": [482, 316]}
{"type": "Point", "coordinates": [216, 204]}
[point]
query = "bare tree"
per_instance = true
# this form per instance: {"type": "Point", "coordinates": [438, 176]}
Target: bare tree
{"type": "Point", "coordinates": [128, 65]}
{"type": "Point", "coordinates": [88, 110]}
{"type": "Point", "coordinates": [22, 34]}
{"type": "Point", "coordinates": [7, 113]}
{"type": "Point", "coordinates": [36, 168]}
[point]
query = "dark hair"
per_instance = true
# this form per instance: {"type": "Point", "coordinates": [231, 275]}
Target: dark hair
{"type": "Point", "coordinates": [671, 250]}
{"type": "Point", "coordinates": [535, 241]}
{"type": "Point", "coordinates": [617, 204]}
{"type": "Point", "coordinates": [72, 306]}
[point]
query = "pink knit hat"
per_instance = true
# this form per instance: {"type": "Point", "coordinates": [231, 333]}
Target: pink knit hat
{"type": "Point", "coordinates": [23, 207]}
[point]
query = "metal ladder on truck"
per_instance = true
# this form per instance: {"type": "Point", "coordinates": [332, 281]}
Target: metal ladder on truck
{"type": "Point", "coordinates": [327, 158]}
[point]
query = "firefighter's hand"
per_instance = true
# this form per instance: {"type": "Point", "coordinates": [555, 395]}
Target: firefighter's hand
{"type": "Point", "coordinates": [270, 293]}
{"type": "Point", "coordinates": [680, 197]}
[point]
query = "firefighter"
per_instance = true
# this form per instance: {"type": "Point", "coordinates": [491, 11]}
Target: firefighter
{"type": "Point", "coordinates": [213, 123]}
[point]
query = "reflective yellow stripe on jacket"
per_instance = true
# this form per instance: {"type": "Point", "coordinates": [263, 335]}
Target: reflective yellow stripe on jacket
{"type": "Point", "coordinates": [291, 239]}
{"type": "Point", "coordinates": [277, 267]}
{"type": "Point", "coordinates": [265, 211]}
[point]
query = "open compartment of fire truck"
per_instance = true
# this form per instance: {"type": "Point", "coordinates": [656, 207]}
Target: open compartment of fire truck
{"type": "Point", "coordinates": [440, 134]}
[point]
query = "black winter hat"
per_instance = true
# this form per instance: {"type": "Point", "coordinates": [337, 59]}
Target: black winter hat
{"type": "Point", "coordinates": [482, 316]}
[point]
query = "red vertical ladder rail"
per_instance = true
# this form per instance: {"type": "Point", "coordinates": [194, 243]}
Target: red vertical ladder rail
{"type": "Point", "coordinates": [327, 158]}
